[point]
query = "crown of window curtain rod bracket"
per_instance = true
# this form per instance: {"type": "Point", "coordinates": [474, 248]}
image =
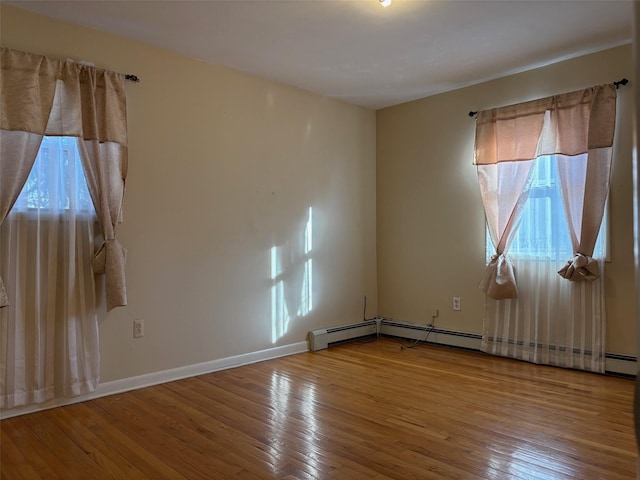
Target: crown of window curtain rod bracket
{"type": "Point", "coordinates": [624, 81]}
{"type": "Point", "coordinates": [131, 77]}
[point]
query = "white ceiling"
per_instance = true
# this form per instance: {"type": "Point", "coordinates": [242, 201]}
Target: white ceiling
{"type": "Point", "coordinates": [358, 51]}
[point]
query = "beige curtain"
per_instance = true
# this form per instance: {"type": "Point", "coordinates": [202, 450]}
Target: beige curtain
{"type": "Point", "coordinates": [90, 104]}
{"type": "Point", "coordinates": [49, 329]}
{"type": "Point", "coordinates": [546, 319]}
{"type": "Point", "coordinates": [571, 125]}
{"type": "Point", "coordinates": [581, 129]}
{"type": "Point", "coordinates": [27, 85]}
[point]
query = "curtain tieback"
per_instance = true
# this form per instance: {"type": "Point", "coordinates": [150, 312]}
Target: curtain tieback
{"type": "Point", "coordinates": [499, 279]}
{"type": "Point", "coordinates": [580, 267]}
{"type": "Point", "coordinates": [110, 259]}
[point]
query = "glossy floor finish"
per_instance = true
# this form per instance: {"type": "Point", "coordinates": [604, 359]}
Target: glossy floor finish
{"type": "Point", "coordinates": [355, 411]}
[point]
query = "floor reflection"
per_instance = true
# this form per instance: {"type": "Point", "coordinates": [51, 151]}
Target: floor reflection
{"type": "Point", "coordinates": [293, 403]}
{"type": "Point", "coordinates": [526, 460]}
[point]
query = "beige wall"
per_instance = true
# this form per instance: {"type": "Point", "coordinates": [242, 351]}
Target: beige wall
{"type": "Point", "coordinates": [431, 233]}
{"type": "Point", "coordinates": [222, 167]}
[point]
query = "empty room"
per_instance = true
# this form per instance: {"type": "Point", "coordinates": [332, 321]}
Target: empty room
{"type": "Point", "coordinates": [323, 239]}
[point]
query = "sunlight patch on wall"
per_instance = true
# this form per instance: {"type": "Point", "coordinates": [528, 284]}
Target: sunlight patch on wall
{"type": "Point", "coordinates": [292, 278]}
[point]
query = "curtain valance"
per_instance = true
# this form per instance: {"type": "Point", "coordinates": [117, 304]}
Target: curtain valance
{"type": "Point", "coordinates": [568, 124]}
{"type": "Point", "coordinates": [62, 98]}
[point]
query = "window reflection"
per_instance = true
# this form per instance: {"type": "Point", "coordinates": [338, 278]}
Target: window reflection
{"type": "Point", "coordinates": [293, 402]}
{"type": "Point", "coordinates": [525, 461]}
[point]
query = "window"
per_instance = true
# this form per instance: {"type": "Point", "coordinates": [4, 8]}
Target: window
{"type": "Point", "coordinates": [56, 183]}
{"type": "Point", "coordinates": [543, 233]}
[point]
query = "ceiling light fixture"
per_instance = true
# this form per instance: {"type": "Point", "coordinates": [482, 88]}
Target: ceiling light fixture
{"type": "Point", "coordinates": [385, 3]}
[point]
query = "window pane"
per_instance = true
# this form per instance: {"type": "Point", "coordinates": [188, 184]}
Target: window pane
{"type": "Point", "coordinates": [543, 232]}
{"type": "Point", "coordinates": [56, 182]}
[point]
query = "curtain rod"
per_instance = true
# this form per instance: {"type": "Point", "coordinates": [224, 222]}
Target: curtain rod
{"type": "Point", "coordinates": [132, 78]}
{"type": "Point", "coordinates": [617, 84]}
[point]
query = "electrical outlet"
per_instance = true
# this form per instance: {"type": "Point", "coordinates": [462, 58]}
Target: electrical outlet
{"type": "Point", "coordinates": [456, 304]}
{"type": "Point", "coordinates": [435, 313]}
{"type": "Point", "coordinates": [138, 328]}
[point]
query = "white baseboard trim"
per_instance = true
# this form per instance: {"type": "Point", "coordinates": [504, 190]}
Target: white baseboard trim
{"type": "Point", "coordinates": [155, 378]}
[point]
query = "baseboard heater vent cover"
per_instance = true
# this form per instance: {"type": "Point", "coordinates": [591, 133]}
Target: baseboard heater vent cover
{"type": "Point", "coordinates": [323, 337]}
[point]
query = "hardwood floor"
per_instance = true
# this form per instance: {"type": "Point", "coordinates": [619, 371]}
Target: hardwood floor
{"type": "Point", "coordinates": [355, 411]}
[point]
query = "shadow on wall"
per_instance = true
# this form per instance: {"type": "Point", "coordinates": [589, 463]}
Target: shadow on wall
{"type": "Point", "coordinates": [292, 278]}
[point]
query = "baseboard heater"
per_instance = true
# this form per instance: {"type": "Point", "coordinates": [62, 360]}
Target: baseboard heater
{"type": "Point", "coordinates": [325, 337]}
{"type": "Point", "coordinates": [420, 332]}
{"type": "Point", "coordinates": [322, 338]}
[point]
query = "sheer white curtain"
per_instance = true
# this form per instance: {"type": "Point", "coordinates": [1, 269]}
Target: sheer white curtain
{"type": "Point", "coordinates": [553, 319]}
{"type": "Point", "coordinates": [50, 330]}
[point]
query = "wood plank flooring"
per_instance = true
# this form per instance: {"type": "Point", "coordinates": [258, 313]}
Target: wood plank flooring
{"type": "Point", "coordinates": [356, 411]}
